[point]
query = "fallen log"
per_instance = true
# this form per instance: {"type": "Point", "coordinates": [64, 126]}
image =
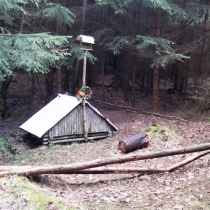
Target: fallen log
{"type": "Point", "coordinates": [76, 167]}
{"type": "Point", "coordinates": [186, 161]}
{"type": "Point", "coordinates": [111, 170]}
{"type": "Point", "coordinates": [133, 143]}
{"type": "Point", "coordinates": [128, 108]}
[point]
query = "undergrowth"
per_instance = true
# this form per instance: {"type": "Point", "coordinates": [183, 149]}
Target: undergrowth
{"type": "Point", "coordinates": [4, 147]}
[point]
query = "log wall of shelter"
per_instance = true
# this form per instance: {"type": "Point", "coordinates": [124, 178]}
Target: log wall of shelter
{"type": "Point", "coordinates": [72, 124]}
{"type": "Point", "coordinates": [73, 138]}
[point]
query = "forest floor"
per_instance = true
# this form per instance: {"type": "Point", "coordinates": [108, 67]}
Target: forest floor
{"type": "Point", "coordinates": [186, 188]}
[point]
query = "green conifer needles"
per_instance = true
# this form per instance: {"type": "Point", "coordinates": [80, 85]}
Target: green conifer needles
{"type": "Point", "coordinates": [33, 53]}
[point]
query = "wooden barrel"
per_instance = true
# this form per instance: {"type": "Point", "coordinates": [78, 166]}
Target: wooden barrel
{"type": "Point", "coordinates": [133, 143]}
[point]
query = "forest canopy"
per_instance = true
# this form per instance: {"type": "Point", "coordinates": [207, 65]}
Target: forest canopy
{"type": "Point", "coordinates": [138, 41]}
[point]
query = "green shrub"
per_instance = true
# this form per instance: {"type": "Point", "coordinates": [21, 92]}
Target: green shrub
{"type": "Point", "coordinates": [202, 97]}
{"type": "Point", "coordinates": [3, 149]}
{"type": "Point", "coordinates": [206, 119]}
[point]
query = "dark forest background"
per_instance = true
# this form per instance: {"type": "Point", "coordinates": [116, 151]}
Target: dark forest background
{"type": "Point", "coordinates": [142, 47]}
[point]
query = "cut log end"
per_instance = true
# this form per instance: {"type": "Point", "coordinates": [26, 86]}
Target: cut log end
{"type": "Point", "coordinates": [122, 146]}
{"type": "Point", "coordinates": [133, 143]}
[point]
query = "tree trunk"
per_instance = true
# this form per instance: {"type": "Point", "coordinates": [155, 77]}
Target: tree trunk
{"type": "Point", "coordinates": [204, 67]}
{"type": "Point", "coordinates": [133, 97]}
{"type": "Point", "coordinates": [77, 167]}
{"type": "Point", "coordinates": [33, 84]}
{"type": "Point", "coordinates": [4, 87]}
{"type": "Point", "coordinates": [102, 74]}
{"type": "Point", "coordinates": [66, 79]}
{"type": "Point", "coordinates": [49, 82]}
{"type": "Point", "coordinates": [155, 103]}
{"type": "Point", "coordinates": [58, 70]}
{"type": "Point", "coordinates": [126, 77]}
{"type": "Point", "coordinates": [58, 75]}
{"type": "Point", "coordinates": [164, 97]}
{"type": "Point", "coordinates": [143, 79]}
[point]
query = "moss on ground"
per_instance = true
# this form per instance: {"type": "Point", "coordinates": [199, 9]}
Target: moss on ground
{"type": "Point", "coordinates": [19, 193]}
{"type": "Point", "coordinates": [159, 134]}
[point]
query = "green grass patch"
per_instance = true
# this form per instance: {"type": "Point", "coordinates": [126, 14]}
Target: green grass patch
{"type": "Point", "coordinates": [206, 119]}
{"type": "Point", "coordinates": [55, 154]}
{"type": "Point", "coordinates": [20, 193]}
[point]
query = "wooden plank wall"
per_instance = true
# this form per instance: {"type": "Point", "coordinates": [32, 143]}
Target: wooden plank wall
{"type": "Point", "coordinates": [72, 124]}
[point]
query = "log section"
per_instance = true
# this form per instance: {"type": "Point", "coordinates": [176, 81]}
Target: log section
{"type": "Point", "coordinates": [133, 143]}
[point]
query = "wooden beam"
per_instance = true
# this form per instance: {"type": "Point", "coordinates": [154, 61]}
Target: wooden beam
{"type": "Point", "coordinates": [75, 167]}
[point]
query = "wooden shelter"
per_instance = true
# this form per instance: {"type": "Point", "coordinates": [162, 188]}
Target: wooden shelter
{"type": "Point", "coordinates": [61, 121]}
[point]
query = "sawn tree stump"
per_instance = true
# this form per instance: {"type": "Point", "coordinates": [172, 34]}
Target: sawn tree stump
{"type": "Point", "coordinates": [133, 143]}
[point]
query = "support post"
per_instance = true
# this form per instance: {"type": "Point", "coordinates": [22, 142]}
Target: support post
{"type": "Point", "coordinates": [83, 100]}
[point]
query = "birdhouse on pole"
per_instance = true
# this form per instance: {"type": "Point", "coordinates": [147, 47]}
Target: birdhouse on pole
{"type": "Point", "coordinates": [86, 42]}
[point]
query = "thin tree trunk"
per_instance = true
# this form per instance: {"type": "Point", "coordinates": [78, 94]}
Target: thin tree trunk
{"type": "Point", "coordinates": [182, 72]}
{"type": "Point", "coordinates": [204, 68]}
{"type": "Point", "coordinates": [58, 70]}
{"type": "Point", "coordinates": [102, 74]}
{"type": "Point", "coordinates": [67, 79]}
{"type": "Point", "coordinates": [49, 82]}
{"type": "Point", "coordinates": [58, 75]}
{"type": "Point", "coordinates": [133, 98]}
{"type": "Point", "coordinates": [33, 84]}
{"type": "Point", "coordinates": [4, 87]}
{"type": "Point", "coordinates": [155, 104]}
{"type": "Point", "coordinates": [143, 78]}
{"type": "Point", "coordinates": [125, 78]}
{"type": "Point", "coordinates": [165, 81]}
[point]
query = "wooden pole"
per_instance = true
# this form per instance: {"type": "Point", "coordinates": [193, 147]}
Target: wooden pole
{"type": "Point", "coordinates": [83, 100]}
{"type": "Point", "coordinates": [77, 167]}
{"type": "Point", "coordinates": [108, 170]}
